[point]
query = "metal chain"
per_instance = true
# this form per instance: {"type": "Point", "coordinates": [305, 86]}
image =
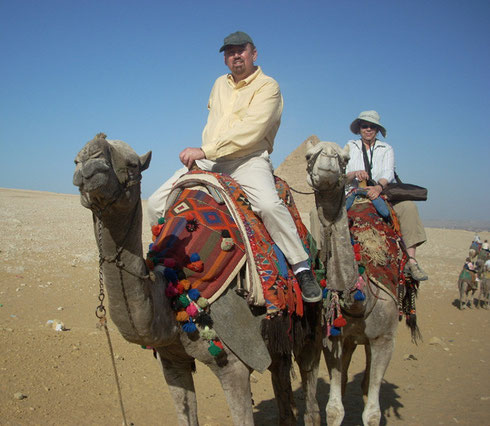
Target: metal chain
{"type": "Point", "coordinates": [100, 313]}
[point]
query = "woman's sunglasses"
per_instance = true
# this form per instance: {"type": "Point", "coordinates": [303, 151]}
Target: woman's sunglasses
{"type": "Point", "coordinates": [369, 126]}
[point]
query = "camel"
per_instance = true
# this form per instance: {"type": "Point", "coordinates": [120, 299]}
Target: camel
{"type": "Point", "coordinates": [108, 175]}
{"type": "Point", "coordinates": [372, 322]}
{"type": "Point", "coordinates": [467, 286]}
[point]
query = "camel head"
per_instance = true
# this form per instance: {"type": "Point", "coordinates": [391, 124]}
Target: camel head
{"type": "Point", "coordinates": [326, 163]}
{"type": "Point", "coordinates": [108, 174]}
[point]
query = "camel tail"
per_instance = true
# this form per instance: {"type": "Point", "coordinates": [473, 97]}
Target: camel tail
{"type": "Point", "coordinates": [411, 321]}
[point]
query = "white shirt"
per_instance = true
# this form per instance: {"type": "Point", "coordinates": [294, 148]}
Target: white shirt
{"type": "Point", "coordinates": [382, 165]}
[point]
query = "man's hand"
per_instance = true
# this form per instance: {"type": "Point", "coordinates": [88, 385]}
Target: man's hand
{"type": "Point", "coordinates": [189, 155]}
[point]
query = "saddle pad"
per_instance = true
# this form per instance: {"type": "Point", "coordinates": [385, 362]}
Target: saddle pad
{"type": "Point", "coordinates": [380, 251]}
{"type": "Point", "coordinates": [279, 288]}
{"type": "Point", "coordinates": [192, 233]}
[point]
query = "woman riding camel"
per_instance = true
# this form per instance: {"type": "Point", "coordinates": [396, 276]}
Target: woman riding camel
{"type": "Point", "coordinates": [370, 154]}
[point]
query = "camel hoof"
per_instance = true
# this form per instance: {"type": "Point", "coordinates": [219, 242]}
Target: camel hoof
{"type": "Point", "coordinates": [334, 416]}
{"type": "Point", "coordinates": [372, 420]}
{"type": "Point", "coordinates": [313, 419]}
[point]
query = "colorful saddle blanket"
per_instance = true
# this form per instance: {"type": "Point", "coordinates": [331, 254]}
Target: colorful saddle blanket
{"type": "Point", "coordinates": [209, 234]}
{"type": "Point", "coordinates": [379, 240]}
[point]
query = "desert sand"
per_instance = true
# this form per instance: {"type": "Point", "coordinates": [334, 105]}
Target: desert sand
{"type": "Point", "coordinates": [49, 275]}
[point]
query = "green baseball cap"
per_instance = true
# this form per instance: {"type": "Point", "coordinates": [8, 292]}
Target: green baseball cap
{"type": "Point", "coordinates": [236, 39]}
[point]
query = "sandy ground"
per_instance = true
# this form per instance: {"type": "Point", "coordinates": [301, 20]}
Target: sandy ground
{"type": "Point", "coordinates": [48, 271]}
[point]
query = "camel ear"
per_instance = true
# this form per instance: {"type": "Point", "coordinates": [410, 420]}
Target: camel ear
{"type": "Point", "coordinates": [309, 144]}
{"type": "Point", "coordinates": [145, 161]}
{"type": "Point", "coordinates": [346, 153]}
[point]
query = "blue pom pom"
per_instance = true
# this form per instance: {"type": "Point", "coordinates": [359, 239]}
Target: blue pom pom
{"type": "Point", "coordinates": [193, 294]}
{"type": "Point", "coordinates": [189, 327]}
{"type": "Point", "coordinates": [150, 247]}
{"type": "Point", "coordinates": [359, 295]}
{"type": "Point", "coordinates": [171, 275]}
{"type": "Point", "coordinates": [334, 331]}
{"type": "Point", "coordinates": [195, 257]}
{"type": "Point", "coordinates": [325, 292]}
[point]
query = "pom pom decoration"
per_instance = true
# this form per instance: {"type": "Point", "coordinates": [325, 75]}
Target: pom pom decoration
{"type": "Point", "coordinates": [324, 293]}
{"type": "Point", "coordinates": [171, 291]}
{"type": "Point", "coordinates": [169, 263]}
{"type": "Point", "coordinates": [182, 316]}
{"type": "Point", "coordinates": [339, 321]}
{"type": "Point", "coordinates": [194, 257]}
{"type": "Point", "coordinates": [161, 221]}
{"type": "Point", "coordinates": [225, 233]}
{"type": "Point", "coordinates": [359, 296]}
{"type": "Point", "coordinates": [191, 224]}
{"type": "Point", "coordinates": [227, 244]}
{"type": "Point", "coordinates": [323, 283]}
{"type": "Point", "coordinates": [184, 301]}
{"type": "Point", "coordinates": [202, 302]}
{"type": "Point", "coordinates": [207, 333]}
{"type": "Point", "coordinates": [214, 350]}
{"type": "Point", "coordinates": [203, 319]}
{"type": "Point", "coordinates": [357, 256]}
{"type": "Point", "coordinates": [361, 269]}
{"type": "Point", "coordinates": [189, 327]}
{"type": "Point", "coordinates": [171, 275]}
{"type": "Point", "coordinates": [191, 310]}
{"type": "Point", "coordinates": [334, 331]}
{"type": "Point", "coordinates": [156, 229]}
{"type": "Point", "coordinates": [193, 294]}
{"type": "Point", "coordinates": [185, 283]}
{"type": "Point", "coordinates": [196, 266]}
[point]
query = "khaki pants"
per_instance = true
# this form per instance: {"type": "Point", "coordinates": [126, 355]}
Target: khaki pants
{"type": "Point", "coordinates": [411, 226]}
{"type": "Point", "coordinates": [255, 175]}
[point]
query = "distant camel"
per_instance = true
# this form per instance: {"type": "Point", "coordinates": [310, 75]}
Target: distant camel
{"type": "Point", "coordinates": [466, 284]}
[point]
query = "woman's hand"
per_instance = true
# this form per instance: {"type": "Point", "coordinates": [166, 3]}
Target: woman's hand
{"type": "Point", "coordinates": [374, 191]}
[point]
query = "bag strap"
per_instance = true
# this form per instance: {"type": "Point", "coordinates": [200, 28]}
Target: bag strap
{"type": "Point", "coordinates": [367, 165]}
{"type": "Point", "coordinates": [397, 178]}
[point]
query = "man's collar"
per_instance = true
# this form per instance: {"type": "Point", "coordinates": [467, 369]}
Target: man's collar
{"type": "Point", "coordinates": [246, 81]}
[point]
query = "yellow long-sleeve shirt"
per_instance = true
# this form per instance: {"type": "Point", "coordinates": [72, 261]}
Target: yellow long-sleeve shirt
{"type": "Point", "coordinates": [243, 117]}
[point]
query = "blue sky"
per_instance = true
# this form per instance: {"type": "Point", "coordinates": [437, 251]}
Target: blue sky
{"type": "Point", "coordinates": [141, 71]}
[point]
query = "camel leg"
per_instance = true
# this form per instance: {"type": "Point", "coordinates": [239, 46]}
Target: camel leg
{"type": "Point", "coordinates": [348, 349]}
{"type": "Point", "coordinates": [181, 386]}
{"type": "Point", "coordinates": [381, 351]}
{"type": "Point", "coordinates": [308, 362]}
{"type": "Point", "coordinates": [462, 291]}
{"type": "Point", "coordinates": [235, 381]}
{"type": "Point", "coordinates": [335, 408]}
{"type": "Point", "coordinates": [281, 384]}
{"type": "Point", "coordinates": [367, 371]}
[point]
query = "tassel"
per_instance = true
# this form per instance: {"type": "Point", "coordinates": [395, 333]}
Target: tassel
{"type": "Point", "coordinates": [214, 350]}
{"type": "Point", "coordinates": [171, 275]}
{"type": "Point", "coordinates": [182, 316]}
{"type": "Point", "coordinates": [184, 300]}
{"type": "Point", "coordinates": [339, 321]}
{"type": "Point", "coordinates": [156, 229]}
{"type": "Point", "coordinates": [196, 266]}
{"type": "Point", "coordinates": [193, 294]}
{"type": "Point", "coordinates": [334, 331]}
{"type": "Point", "coordinates": [169, 262]}
{"type": "Point", "coordinates": [194, 257]}
{"type": "Point", "coordinates": [361, 269]}
{"type": "Point", "coordinates": [203, 319]}
{"type": "Point", "coordinates": [359, 296]}
{"type": "Point", "coordinates": [191, 310]}
{"type": "Point", "coordinates": [207, 333]}
{"type": "Point", "coordinates": [202, 302]}
{"type": "Point", "coordinates": [171, 291]}
{"type": "Point", "coordinates": [189, 327]}
{"type": "Point", "coordinates": [161, 221]}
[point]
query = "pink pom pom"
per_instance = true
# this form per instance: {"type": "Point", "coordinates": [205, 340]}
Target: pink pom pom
{"type": "Point", "coordinates": [171, 291]}
{"type": "Point", "coordinates": [191, 310]}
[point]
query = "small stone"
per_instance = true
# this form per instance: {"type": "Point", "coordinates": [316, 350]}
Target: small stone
{"type": "Point", "coordinates": [19, 396]}
{"type": "Point", "coordinates": [436, 341]}
{"type": "Point", "coordinates": [60, 308]}
{"type": "Point", "coordinates": [409, 357]}
{"type": "Point", "coordinates": [485, 398]}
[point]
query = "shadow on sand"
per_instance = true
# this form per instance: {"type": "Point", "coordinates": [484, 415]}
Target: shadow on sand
{"type": "Point", "coordinates": [353, 404]}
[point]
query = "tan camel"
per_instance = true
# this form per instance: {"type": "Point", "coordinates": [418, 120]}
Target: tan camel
{"type": "Point", "coordinates": [372, 322]}
{"type": "Point", "coordinates": [108, 176]}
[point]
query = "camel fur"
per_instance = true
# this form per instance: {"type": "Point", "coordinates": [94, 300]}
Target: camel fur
{"type": "Point", "coordinates": [108, 175]}
{"type": "Point", "coordinates": [372, 322]}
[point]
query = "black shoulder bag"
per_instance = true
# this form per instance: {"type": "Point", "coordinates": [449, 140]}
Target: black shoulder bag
{"type": "Point", "coordinates": [396, 191]}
